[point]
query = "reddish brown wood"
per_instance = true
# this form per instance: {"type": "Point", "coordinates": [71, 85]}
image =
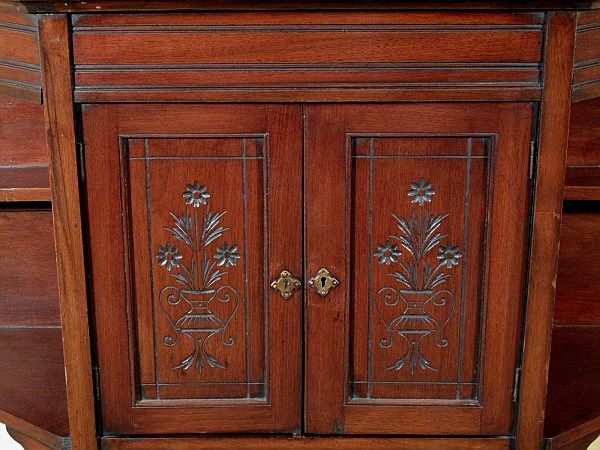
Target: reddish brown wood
{"type": "Point", "coordinates": [208, 143]}
{"type": "Point", "coordinates": [337, 238]}
{"type": "Point", "coordinates": [28, 292]}
{"type": "Point", "coordinates": [549, 183]}
{"type": "Point", "coordinates": [305, 57]}
{"type": "Point", "coordinates": [26, 433]}
{"type": "Point", "coordinates": [240, 56]}
{"type": "Point", "coordinates": [50, 6]}
{"type": "Point", "coordinates": [583, 156]}
{"type": "Point", "coordinates": [24, 185]}
{"type": "Point", "coordinates": [586, 79]}
{"type": "Point", "coordinates": [582, 183]}
{"type": "Point", "coordinates": [578, 438]}
{"type": "Point", "coordinates": [28, 442]}
{"type": "Point", "coordinates": [22, 133]}
{"type": "Point", "coordinates": [578, 282]}
{"type": "Point", "coordinates": [316, 95]}
{"type": "Point", "coordinates": [32, 374]}
{"type": "Point", "coordinates": [584, 134]}
{"type": "Point", "coordinates": [20, 73]}
{"type": "Point", "coordinates": [318, 443]}
{"type": "Point", "coordinates": [23, 152]}
{"type": "Point", "coordinates": [64, 174]}
{"type": "Point", "coordinates": [574, 386]}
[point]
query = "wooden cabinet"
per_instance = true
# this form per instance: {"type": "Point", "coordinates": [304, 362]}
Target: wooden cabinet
{"type": "Point", "coordinates": [413, 216]}
{"type": "Point", "coordinates": [307, 224]}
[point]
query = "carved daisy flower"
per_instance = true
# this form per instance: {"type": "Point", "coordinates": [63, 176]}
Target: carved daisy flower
{"type": "Point", "coordinates": [227, 255]}
{"type": "Point", "coordinates": [196, 194]}
{"type": "Point", "coordinates": [449, 255]}
{"type": "Point", "coordinates": [387, 253]}
{"type": "Point", "coordinates": [421, 191]}
{"type": "Point", "coordinates": [168, 256]}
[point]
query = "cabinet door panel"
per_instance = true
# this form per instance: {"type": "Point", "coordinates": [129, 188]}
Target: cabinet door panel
{"type": "Point", "coordinates": [192, 209]}
{"type": "Point", "coordinates": [424, 225]}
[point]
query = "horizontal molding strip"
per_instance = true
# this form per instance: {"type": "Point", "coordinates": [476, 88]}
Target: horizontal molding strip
{"type": "Point", "coordinates": [307, 66]}
{"type": "Point", "coordinates": [155, 28]}
{"type": "Point", "coordinates": [24, 166]}
{"type": "Point", "coordinates": [13, 64]}
{"type": "Point", "coordinates": [588, 27]}
{"type": "Point", "coordinates": [417, 85]}
{"type": "Point", "coordinates": [588, 63]}
{"type": "Point", "coordinates": [20, 85]}
{"type": "Point", "coordinates": [4, 25]}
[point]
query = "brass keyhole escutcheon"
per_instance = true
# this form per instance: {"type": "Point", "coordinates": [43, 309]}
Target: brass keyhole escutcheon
{"type": "Point", "coordinates": [286, 284]}
{"type": "Point", "coordinates": [323, 282]}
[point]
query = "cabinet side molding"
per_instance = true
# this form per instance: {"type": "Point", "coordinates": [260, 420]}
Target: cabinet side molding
{"type": "Point", "coordinates": [549, 187]}
{"type": "Point", "coordinates": [58, 101]}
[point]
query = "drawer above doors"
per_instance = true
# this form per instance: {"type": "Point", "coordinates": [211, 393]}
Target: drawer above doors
{"type": "Point", "coordinates": [414, 215]}
{"type": "Point", "coordinates": [307, 56]}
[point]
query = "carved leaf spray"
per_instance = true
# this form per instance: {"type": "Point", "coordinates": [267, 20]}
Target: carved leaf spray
{"type": "Point", "coordinates": [198, 278]}
{"type": "Point", "coordinates": [404, 312]}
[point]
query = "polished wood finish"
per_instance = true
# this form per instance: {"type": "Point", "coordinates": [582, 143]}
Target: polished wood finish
{"type": "Point", "coordinates": [20, 72]}
{"type": "Point", "coordinates": [584, 134]}
{"type": "Point", "coordinates": [28, 291]}
{"type": "Point", "coordinates": [317, 443]}
{"type": "Point", "coordinates": [52, 6]}
{"type": "Point", "coordinates": [368, 157]}
{"type": "Point", "coordinates": [23, 152]}
{"type": "Point", "coordinates": [29, 435]}
{"type": "Point", "coordinates": [574, 386]}
{"type": "Point", "coordinates": [32, 374]}
{"type": "Point", "coordinates": [586, 79]}
{"type": "Point", "coordinates": [549, 184]}
{"type": "Point", "coordinates": [411, 65]}
{"type": "Point", "coordinates": [64, 175]}
{"type": "Point", "coordinates": [306, 56]}
{"type": "Point", "coordinates": [33, 381]}
{"type": "Point", "coordinates": [582, 183]}
{"type": "Point", "coordinates": [27, 441]}
{"type": "Point", "coordinates": [578, 282]}
{"type": "Point", "coordinates": [22, 134]}
{"type": "Point", "coordinates": [247, 161]}
{"type": "Point", "coordinates": [583, 156]}
{"type": "Point", "coordinates": [578, 438]}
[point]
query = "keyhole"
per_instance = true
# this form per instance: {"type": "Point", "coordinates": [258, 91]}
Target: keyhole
{"type": "Point", "coordinates": [286, 283]}
{"type": "Point", "coordinates": [323, 281]}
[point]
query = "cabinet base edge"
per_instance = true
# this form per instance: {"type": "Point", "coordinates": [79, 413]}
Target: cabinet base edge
{"type": "Point", "coordinates": [288, 442]}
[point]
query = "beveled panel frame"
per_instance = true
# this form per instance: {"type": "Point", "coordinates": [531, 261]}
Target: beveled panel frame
{"type": "Point", "coordinates": [140, 388]}
{"type": "Point", "coordinates": [486, 152]}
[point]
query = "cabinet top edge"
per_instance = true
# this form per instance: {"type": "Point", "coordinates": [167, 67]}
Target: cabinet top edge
{"type": "Point", "coordinates": [78, 6]}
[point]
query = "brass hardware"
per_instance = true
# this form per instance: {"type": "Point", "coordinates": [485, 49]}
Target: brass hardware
{"type": "Point", "coordinates": [323, 282]}
{"type": "Point", "coordinates": [286, 284]}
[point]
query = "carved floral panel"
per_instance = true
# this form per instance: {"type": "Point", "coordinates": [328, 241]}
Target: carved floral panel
{"type": "Point", "coordinates": [418, 254]}
{"type": "Point", "coordinates": [198, 321]}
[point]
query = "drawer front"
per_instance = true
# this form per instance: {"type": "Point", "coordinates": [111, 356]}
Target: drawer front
{"type": "Point", "coordinates": [306, 50]}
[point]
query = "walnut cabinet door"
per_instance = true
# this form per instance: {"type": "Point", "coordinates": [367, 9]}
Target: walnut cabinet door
{"type": "Point", "coordinates": [416, 223]}
{"type": "Point", "coordinates": [193, 210]}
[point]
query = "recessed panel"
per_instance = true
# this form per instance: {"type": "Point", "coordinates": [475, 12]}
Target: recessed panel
{"type": "Point", "coordinates": [418, 241]}
{"type": "Point", "coordinates": [196, 230]}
